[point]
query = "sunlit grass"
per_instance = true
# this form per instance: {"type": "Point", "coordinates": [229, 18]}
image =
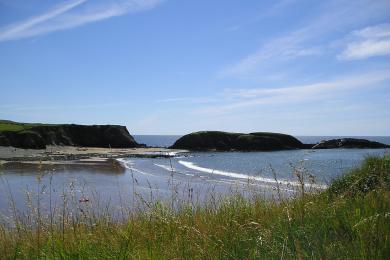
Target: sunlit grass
{"type": "Point", "coordinates": [6, 125]}
{"type": "Point", "coordinates": [350, 220]}
{"type": "Point", "coordinates": [13, 127]}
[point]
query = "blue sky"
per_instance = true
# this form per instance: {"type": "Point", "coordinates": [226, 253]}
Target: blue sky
{"type": "Point", "coordinates": [173, 67]}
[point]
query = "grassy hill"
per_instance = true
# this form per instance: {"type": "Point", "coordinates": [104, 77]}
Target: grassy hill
{"type": "Point", "coordinates": [13, 126]}
{"type": "Point", "coordinates": [350, 220]}
{"type": "Point", "coordinates": [7, 125]}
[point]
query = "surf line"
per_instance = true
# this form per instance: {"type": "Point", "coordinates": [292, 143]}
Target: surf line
{"type": "Point", "coordinates": [128, 165]}
{"type": "Point", "coordinates": [193, 166]}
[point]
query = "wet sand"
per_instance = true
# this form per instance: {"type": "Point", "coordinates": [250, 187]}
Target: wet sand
{"type": "Point", "coordinates": [76, 156]}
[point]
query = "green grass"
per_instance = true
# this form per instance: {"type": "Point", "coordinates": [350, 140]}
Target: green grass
{"type": "Point", "coordinates": [13, 127]}
{"type": "Point", "coordinates": [350, 220]}
{"type": "Point", "coordinates": [6, 125]}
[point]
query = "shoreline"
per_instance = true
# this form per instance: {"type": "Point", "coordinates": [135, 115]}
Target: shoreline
{"type": "Point", "coordinates": [11, 157]}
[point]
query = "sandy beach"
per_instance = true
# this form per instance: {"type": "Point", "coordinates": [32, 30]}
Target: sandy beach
{"type": "Point", "coordinates": [76, 156]}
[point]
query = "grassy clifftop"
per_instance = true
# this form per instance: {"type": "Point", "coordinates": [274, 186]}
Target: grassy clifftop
{"type": "Point", "coordinates": [350, 220]}
{"type": "Point", "coordinates": [37, 136]}
{"type": "Point", "coordinates": [6, 125]}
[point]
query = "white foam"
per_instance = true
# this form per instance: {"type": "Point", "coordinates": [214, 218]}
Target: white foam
{"type": "Point", "coordinates": [170, 169]}
{"type": "Point", "coordinates": [165, 167]}
{"type": "Point", "coordinates": [129, 165]}
{"type": "Point", "coordinates": [193, 166]}
{"type": "Point", "coordinates": [163, 153]}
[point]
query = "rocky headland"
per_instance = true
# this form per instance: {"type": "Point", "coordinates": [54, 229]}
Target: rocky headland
{"type": "Point", "coordinates": [37, 137]}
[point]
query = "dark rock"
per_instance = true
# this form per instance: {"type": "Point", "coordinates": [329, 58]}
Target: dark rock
{"type": "Point", "coordinates": [286, 140]}
{"type": "Point", "coordinates": [22, 139]}
{"type": "Point", "coordinates": [210, 140]}
{"type": "Point", "coordinates": [349, 143]}
{"type": "Point", "coordinates": [73, 135]}
{"type": "Point", "coordinates": [307, 146]}
{"type": "Point", "coordinates": [224, 141]}
{"type": "Point", "coordinates": [4, 140]}
{"type": "Point", "coordinates": [31, 140]}
{"type": "Point", "coordinates": [89, 136]}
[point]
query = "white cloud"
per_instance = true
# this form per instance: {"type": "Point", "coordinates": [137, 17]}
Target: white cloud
{"type": "Point", "coordinates": [278, 49]}
{"type": "Point", "coordinates": [367, 42]}
{"type": "Point", "coordinates": [71, 14]}
{"type": "Point", "coordinates": [250, 98]}
{"type": "Point", "coordinates": [378, 31]}
{"type": "Point", "coordinates": [312, 38]}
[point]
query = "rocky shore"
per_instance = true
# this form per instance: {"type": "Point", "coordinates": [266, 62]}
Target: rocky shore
{"type": "Point", "coordinates": [56, 156]}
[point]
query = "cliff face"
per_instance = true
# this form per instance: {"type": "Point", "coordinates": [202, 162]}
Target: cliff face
{"type": "Point", "coordinates": [223, 141]}
{"type": "Point", "coordinates": [73, 135]}
{"type": "Point", "coordinates": [23, 139]}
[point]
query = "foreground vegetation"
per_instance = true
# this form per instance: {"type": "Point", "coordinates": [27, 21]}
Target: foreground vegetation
{"type": "Point", "coordinates": [350, 220]}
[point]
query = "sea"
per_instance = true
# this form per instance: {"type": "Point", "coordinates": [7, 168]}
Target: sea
{"type": "Point", "coordinates": [192, 177]}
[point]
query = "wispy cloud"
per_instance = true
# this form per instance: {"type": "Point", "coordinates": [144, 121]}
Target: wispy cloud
{"type": "Point", "coordinates": [312, 38]}
{"type": "Point", "coordinates": [279, 49]}
{"type": "Point", "coordinates": [276, 8]}
{"type": "Point", "coordinates": [236, 100]}
{"type": "Point", "coordinates": [368, 42]}
{"type": "Point", "coordinates": [71, 14]}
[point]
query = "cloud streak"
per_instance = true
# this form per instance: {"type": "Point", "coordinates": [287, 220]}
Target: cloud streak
{"type": "Point", "coordinates": [72, 14]}
{"type": "Point", "coordinates": [337, 15]}
{"type": "Point", "coordinates": [368, 42]}
{"type": "Point", "coordinates": [249, 98]}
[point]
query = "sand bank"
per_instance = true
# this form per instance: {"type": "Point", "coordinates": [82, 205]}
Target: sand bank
{"type": "Point", "coordinates": [76, 156]}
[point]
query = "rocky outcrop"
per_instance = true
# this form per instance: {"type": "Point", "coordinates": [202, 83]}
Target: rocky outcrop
{"type": "Point", "coordinates": [224, 141]}
{"type": "Point", "coordinates": [24, 139]}
{"type": "Point", "coordinates": [349, 143]}
{"type": "Point", "coordinates": [38, 137]}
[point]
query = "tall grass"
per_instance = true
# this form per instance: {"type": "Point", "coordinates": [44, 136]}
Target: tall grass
{"type": "Point", "coordinates": [350, 220]}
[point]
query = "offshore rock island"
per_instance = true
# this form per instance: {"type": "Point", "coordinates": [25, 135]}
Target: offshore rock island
{"type": "Point", "coordinates": [261, 141]}
{"type": "Point", "coordinates": [224, 141]}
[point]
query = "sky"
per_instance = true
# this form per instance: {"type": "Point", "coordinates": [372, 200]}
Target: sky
{"type": "Point", "coordinates": [301, 67]}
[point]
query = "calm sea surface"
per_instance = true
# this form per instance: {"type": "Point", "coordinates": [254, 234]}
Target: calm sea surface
{"type": "Point", "coordinates": [187, 177]}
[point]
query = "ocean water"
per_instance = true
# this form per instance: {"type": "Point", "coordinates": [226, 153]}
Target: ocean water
{"type": "Point", "coordinates": [190, 177]}
{"type": "Point", "coordinates": [261, 167]}
{"type": "Point", "coordinates": [156, 140]}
